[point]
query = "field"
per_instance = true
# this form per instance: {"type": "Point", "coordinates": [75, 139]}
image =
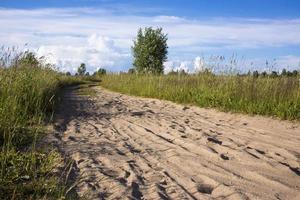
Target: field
{"type": "Point", "coordinates": [271, 96]}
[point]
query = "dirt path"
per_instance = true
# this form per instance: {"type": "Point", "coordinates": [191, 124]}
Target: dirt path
{"type": "Point", "coordinates": [135, 148]}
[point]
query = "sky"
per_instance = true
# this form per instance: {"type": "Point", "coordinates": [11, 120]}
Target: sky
{"type": "Point", "coordinates": [224, 35]}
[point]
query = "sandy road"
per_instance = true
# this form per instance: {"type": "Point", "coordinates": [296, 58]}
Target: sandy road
{"type": "Point", "coordinates": [136, 148]}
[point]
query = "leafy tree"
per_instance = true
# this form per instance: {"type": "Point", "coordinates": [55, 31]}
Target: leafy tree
{"type": "Point", "coordinates": [68, 74]}
{"type": "Point", "coordinates": [87, 74]}
{"type": "Point", "coordinates": [264, 74]}
{"type": "Point", "coordinates": [178, 72]}
{"type": "Point", "coordinates": [150, 51]}
{"type": "Point", "coordinates": [289, 73]}
{"type": "Point", "coordinates": [274, 74]}
{"type": "Point", "coordinates": [81, 69]}
{"type": "Point", "coordinates": [283, 72]}
{"type": "Point", "coordinates": [182, 72]}
{"type": "Point", "coordinates": [131, 71]}
{"type": "Point", "coordinates": [101, 71]}
{"type": "Point", "coordinates": [255, 74]}
{"type": "Point", "coordinates": [172, 72]}
{"type": "Point", "coordinates": [295, 73]}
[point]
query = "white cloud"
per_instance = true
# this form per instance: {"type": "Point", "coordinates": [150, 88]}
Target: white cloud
{"type": "Point", "coordinates": [98, 52]}
{"type": "Point", "coordinates": [178, 65]}
{"type": "Point", "coordinates": [184, 65]}
{"type": "Point", "coordinates": [169, 66]}
{"type": "Point", "coordinates": [102, 37]}
{"type": "Point", "coordinates": [290, 62]}
{"type": "Point", "coordinates": [199, 64]}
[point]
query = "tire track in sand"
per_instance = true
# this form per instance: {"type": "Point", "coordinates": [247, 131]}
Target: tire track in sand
{"type": "Point", "coordinates": [136, 148]}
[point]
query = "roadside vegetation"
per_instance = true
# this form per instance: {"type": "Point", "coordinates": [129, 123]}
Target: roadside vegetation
{"type": "Point", "coordinates": [271, 94]}
{"type": "Point", "coordinates": [28, 93]}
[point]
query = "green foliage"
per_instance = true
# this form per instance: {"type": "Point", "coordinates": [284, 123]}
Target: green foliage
{"type": "Point", "coordinates": [264, 74]}
{"type": "Point", "coordinates": [131, 71]}
{"type": "Point", "coordinates": [29, 60]}
{"type": "Point", "coordinates": [283, 72]}
{"type": "Point", "coordinates": [29, 175]}
{"type": "Point", "coordinates": [28, 92]}
{"type": "Point", "coordinates": [274, 74]}
{"type": "Point", "coordinates": [295, 73]}
{"type": "Point", "coordinates": [81, 69]}
{"type": "Point", "coordinates": [278, 96]}
{"type": "Point", "coordinates": [150, 51]}
{"type": "Point", "coordinates": [180, 72]}
{"type": "Point", "coordinates": [101, 71]}
{"type": "Point", "coordinates": [255, 74]}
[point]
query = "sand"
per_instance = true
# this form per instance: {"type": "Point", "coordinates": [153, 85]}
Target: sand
{"type": "Point", "coordinates": [137, 148]}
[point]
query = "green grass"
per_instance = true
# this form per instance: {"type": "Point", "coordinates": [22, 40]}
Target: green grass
{"type": "Point", "coordinates": [279, 97]}
{"type": "Point", "coordinates": [86, 90]}
{"type": "Point", "coordinates": [27, 99]}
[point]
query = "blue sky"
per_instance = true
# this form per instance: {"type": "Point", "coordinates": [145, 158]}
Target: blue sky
{"type": "Point", "coordinates": [100, 32]}
{"type": "Point", "coordinates": [187, 8]}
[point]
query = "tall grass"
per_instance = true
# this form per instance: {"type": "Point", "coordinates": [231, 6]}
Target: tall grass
{"type": "Point", "coordinates": [278, 96]}
{"type": "Point", "coordinates": [28, 90]}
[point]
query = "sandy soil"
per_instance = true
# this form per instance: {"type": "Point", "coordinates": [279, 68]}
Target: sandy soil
{"type": "Point", "coordinates": [135, 148]}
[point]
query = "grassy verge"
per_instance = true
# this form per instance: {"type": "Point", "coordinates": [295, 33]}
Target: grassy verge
{"type": "Point", "coordinates": [86, 90]}
{"type": "Point", "coordinates": [27, 97]}
{"type": "Point", "coordinates": [278, 96]}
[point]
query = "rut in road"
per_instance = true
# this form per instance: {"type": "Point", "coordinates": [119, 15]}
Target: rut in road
{"type": "Point", "coordinates": [136, 148]}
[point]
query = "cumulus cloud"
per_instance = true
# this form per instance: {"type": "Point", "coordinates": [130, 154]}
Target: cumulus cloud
{"type": "Point", "coordinates": [290, 62]}
{"type": "Point", "coordinates": [178, 65]}
{"type": "Point", "coordinates": [169, 66]}
{"type": "Point", "coordinates": [103, 37]}
{"type": "Point", "coordinates": [199, 64]}
{"type": "Point", "coordinates": [184, 66]}
{"type": "Point", "coordinates": [98, 52]}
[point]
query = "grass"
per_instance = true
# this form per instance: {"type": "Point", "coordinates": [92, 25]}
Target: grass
{"type": "Point", "coordinates": [86, 90]}
{"type": "Point", "coordinates": [28, 91]}
{"type": "Point", "coordinates": [279, 96]}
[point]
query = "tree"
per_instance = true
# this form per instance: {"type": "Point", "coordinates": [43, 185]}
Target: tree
{"type": "Point", "coordinates": [68, 74]}
{"type": "Point", "coordinates": [295, 73]}
{"type": "Point", "coordinates": [273, 74]}
{"type": "Point", "coordinates": [255, 74]}
{"type": "Point", "coordinates": [81, 69]}
{"type": "Point", "coordinates": [131, 71]}
{"type": "Point", "coordinates": [101, 71]}
{"type": "Point", "coordinates": [150, 51]}
{"type": "Point", "coordinates": [264, 74]}
{"type": "Point", "coordinates": [283, 72]}
{"type": "Point", "coordinates": [289, 73]}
